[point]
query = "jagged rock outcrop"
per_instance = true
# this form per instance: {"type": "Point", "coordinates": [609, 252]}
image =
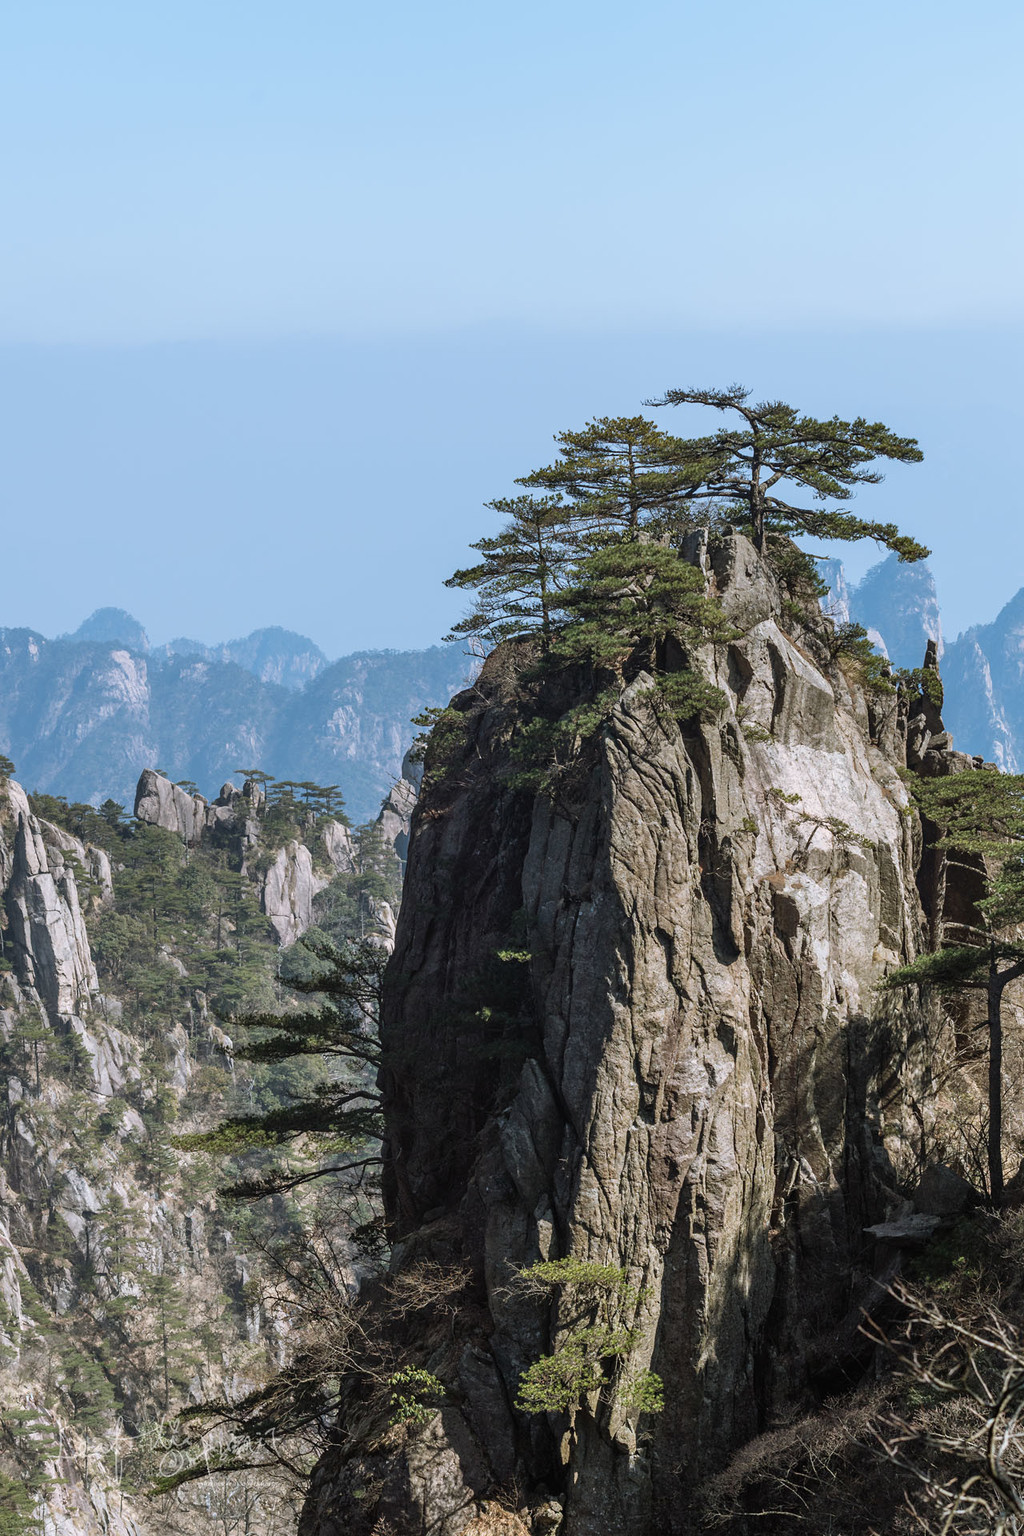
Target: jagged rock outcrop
{"type": "Point", "coordinates": [983, 668]}
{"type": "Point", "coordinates": [896, 602]}
{"type": "Point", "coordinates": [46, 929]}
{"type": "Point", "coordinates": [339, 847]}
{"type": "Point", "coordinates": [287, 880]}
{"type": "Point", "coordinates": [395, 818]}
{"type": "Point", "coordinates": [76, 1122]}
{"type": "Point", "coordinates": [287, 891]}
{"type": "Point", "coordinates": [711, 1094]}
{"type": "Point", "coordinates": [984, 673]}
{"type": "Point", "coordinates": [51, 976]}
{"type": "Point", "coordinates": [163, 804]}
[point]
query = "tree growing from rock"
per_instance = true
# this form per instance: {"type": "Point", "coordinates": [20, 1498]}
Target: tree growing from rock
{"type": "Point", "coordinates": [591, 1358]}
{"type": "Point", "coordinates": [622, 474]}
{"type": "Point", "coordinates": [623, 481]}
{"type": "Point", "coordinates": [523, 571]}
{"type": "Point", "coordinates": [980, 813]}
{"type": "Point", "coordinates": [774, 448]}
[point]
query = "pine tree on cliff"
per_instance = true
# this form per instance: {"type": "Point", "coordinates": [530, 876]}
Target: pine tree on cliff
{"type": "Point", "coordinates": [622, 481]}
{"type": "Point", "coordinates": [623, 474]}
{"type": "Point", "coordinates": [523, 570]}
{"type": "Point", "coordinates": [329, 1116]}
{"type": "Point", "coordinates": [980, 813]}
{"type": "Point", "coordinates": [776, 447]}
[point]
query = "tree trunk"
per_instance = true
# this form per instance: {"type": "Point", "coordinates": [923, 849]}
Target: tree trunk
{"type": "Point", "coordinates": [995, 1083]}
{"type": "Point", "coordinates": [757, 500]}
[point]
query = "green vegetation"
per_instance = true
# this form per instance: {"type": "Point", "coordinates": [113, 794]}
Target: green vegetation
{"type": "Point", "coordinates": [775, 446]}
{"type": "Point", "coordinates": [979, 814]}
{"type": "Point", "coordinates": [157, 1307]}
{"type": "Point", "coordinates": [523, 571]}
{"type": "Point", "coordinates": [331, 1109]}
{"type": "Point", "coordinates": [590, 1363]}
{"type": "Point", "coordinates": [622, 481]}
{"type": "Point", "coordinates": [623, 474]}
{"type": "Point", "coordinates": [591, 567]}
{"type": "Point", "coordinates": [104, 828]}
{"type": "Point", "coordinates": [413, 1395]}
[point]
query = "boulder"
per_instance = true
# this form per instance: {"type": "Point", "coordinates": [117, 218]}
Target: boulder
{"type": "Point", "coordinates": [942, 1192]}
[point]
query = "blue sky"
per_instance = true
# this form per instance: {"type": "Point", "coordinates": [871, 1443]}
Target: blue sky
{"type": "Point", "coordinates": [287, 292]}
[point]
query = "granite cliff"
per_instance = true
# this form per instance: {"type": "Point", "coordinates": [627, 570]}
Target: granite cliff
{"type": "Point", "coordinates": [634, 1020]}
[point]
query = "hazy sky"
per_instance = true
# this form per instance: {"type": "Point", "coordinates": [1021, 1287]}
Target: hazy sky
{"type": "Point", "coordinates": [287, 292]}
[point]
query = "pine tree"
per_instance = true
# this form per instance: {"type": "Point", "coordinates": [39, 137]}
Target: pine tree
{"type": "Point", "coordinates": [622, 473]}
{"type": "Point", "coordinates": [628, 596]}
{"type": "Point", "coordinates": [173, 1334]}
{"type": "Point", "coordinates": [980, 813]}
{"type": "Point", "coordinates": [523, 570]}
{"type": "Point", "coordinates": [339, 1113]}
{"type": "Point", "coordinates": [778, 447]}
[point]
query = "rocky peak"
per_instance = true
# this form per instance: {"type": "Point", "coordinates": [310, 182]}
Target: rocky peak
{"type": "Point", "coordinates": [288, 881]}
{"type": "Point", "coordinates": [45, 925]}
{"type": "Point", "coordinates": [111, 626]}
{"type": "Point", "coordinates": [896, 602]}
{"type": "Point", "coordinates": [693, 1087]}
{"type": "Point", "coordinates": [160, 803]}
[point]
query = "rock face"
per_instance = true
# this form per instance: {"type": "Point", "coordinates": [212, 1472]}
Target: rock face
{"type": "Point", "coordinates": [984, 675]}
{"type": "Point", "coordinates": [46, 930]}
{"type": "Point", "coordinates": [395, 818]}
{"type": "Point", "coordinates": [287, 891]}
{"type": "Point", "coordinates": [288, 881]}
{"type": "Point", "coordinates": [77, 1098]}
{"type": "Point", "coordinates": [51, 977]}
{"type": "Point", "coordinates": [163, 804]}
{"type": "Point", "coordinates": [708, 1093]}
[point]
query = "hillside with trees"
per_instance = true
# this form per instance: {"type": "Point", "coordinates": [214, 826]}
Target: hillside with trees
{"type": "Point", "coordinates": [136, 966]}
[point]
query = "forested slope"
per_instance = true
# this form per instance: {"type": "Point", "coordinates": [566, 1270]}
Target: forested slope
{"type": "Point", "coordinates": [130, 1287]}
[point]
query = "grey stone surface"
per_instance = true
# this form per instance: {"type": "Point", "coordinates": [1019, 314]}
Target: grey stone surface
{"type": "Point", "coordinates": [714, 1093]}
{"type": "Point", "coordinates": [46, 926]}
{"type": "Point", "coordinates": [287, 890]}
{"type": "Point", "coordinates": [163, 804]}
{"type": "Point", "coordinates": [943, 1192]}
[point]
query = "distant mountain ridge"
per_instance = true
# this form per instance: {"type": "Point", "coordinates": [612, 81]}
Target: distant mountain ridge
{"type": "Point", "coordinates": [274, 655]}
{"type": "Point", "coordinates": [982, 669]}
{"type": "Point", "coordinates": [82, 715]}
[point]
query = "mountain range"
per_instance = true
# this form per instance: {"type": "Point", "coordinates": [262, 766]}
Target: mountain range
{"type": "Point", "coordinates": [982, 669]}
{"type": "Point", "coordinates": [83, 714]}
